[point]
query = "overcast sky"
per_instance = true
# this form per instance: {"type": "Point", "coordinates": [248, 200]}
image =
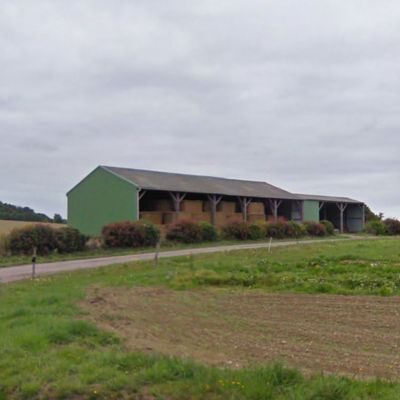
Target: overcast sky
{"type": "Point", "coordinates": [304, 94]}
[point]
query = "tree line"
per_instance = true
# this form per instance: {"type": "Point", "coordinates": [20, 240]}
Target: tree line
{"type": "Point", "coordinates": [12, 212]}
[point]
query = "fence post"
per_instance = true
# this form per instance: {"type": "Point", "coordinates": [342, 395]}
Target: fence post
{"type": "Point", "coordinates": [156, 254]}
{"type": "Point", "coordinates": [270, 243]}
{"type": "Point", "coordinates": [34, 263]}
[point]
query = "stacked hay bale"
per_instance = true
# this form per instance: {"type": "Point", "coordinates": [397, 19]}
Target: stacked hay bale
{"type": "Point", "coordinates": [193, 210]}
{"type": "Point", "coordinates": [164, 205]}
{"type": "Point", "coordinates": [155, 217]}
{"type": "Point", "coordinates": [228, 210]}
{"type": "Point", "coordinates": [256, 212]}
{"type": "Point", "coordinates": [168, 217]}
{"type": "Point", "coordinates": [190, 210]}
{"type": "Point", "coordinates": [199, 210]}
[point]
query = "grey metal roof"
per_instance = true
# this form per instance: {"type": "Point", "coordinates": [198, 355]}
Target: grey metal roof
{"type": "Point", "coordinates": [332, 199]}
{"type": "Point", "coordinates": [155, 180]}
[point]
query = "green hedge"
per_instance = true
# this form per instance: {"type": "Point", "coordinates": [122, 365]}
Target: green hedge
{"type": "Point", "coordinates": [185, 231]}
{"type": "Point", "coordinates": [46, 239]}
{"type": "Point", "coordinates": [130, 234]}
{"type": "Point", "coordinates": [389, 226]}
{"type": "Point", "coordinates": [277, 230]}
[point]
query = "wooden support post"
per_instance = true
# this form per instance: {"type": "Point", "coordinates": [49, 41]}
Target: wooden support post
{"type": "Point", "coordinates": [177, 198]}
{"type": "Point", "coordinates": [321, 204]}
{"type": "Point", "coordinates": [140, 194]}
{"type": "Point", "coordinates": [244, 203]}
{"type": "Point", "coordinates": [342, 207]}
{"type": "Point", "coordinates": [275, 206]}
{"type": "Point", "coordinates": [214, 200]}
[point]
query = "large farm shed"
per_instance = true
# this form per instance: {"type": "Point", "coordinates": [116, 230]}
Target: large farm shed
{"type": "Point", "coordinates": [110, 194]}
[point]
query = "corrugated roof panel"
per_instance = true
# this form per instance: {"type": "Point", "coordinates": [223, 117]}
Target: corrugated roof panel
{"type": "Point", "coordinates": [333, 199]}
{"type": "Point", "coordinates": [155, 180]}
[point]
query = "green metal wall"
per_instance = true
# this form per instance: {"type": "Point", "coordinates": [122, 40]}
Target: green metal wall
{"type": "Point", "coordinates": [354, 218]}
{"type": "Point", "coordinates": [311, 210]}
{"type": "Point", "coordinates": [99, 199]}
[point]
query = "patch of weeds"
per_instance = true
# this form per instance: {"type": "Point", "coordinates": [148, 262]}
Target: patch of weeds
{"type": "Point", "coordinates": [69, 331]}
{"type": "Point", "coordinates": [333, 389]}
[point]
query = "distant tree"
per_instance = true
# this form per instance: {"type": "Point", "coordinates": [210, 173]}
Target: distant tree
{"type": "Point", "coordinates": [16, 213]}
{"type": "Point", "coordinates": [58, 219]}
{"type": "Point", "coordinates": [371, 216]}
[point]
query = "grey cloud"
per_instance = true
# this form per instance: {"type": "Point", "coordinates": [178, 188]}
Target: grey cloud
{"type": "Point", "coordinates": [304, 95]}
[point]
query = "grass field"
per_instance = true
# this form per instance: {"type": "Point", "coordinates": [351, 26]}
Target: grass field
{"type": "Point", "coordinates": [7, 226]}
{"type": "Point", "coordinates": [210, 327]}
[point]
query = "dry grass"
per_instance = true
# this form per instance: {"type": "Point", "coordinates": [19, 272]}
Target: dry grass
{"type": "Point", "coordinates": [7, 226]}
{"type": "Point", "coordinates": [357, 336]}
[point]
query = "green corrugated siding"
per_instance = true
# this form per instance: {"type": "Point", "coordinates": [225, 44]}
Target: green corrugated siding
{"type": "Point", "coordinates": [99, 199]}
{"type": "Point", "coordinates": [354, 218]}
{"type": "Point", "coordinates": [311, 210]}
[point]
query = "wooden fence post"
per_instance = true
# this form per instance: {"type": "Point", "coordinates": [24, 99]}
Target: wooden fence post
{"type": "Point", "coordinates": [156, 254]}
{"type": "Point", "coordinates": [34, 262]}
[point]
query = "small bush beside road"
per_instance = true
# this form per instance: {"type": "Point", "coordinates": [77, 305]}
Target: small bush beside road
{"type": "Point", "coordinates": [315, 228]}
{"type": "Point", "coordinates": [45, 239]}
{"type": "Point", "coordinates": [208, 232]}
{"type": "Point", "coordinates": [130, 234]}
{"type": "Point", "coordinates": [389, 226]}
{"type": "Point", "coordinates": [392, 226]}
{"type": "Point", "coordinates": [330, 229]}
{"type": "Point", "coordinates": [236, 231]}
{"type": "Point", "coordinates": [184, 231]}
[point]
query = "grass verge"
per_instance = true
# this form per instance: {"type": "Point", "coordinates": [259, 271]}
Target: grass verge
{"type": "Point", "coordinates": [8, 261]}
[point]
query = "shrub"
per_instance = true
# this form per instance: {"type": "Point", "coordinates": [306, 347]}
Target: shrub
{"type": "Point", "coordinates": [130, 234]}
{"type": "Point", "coordinates": [375, 228]}
{"type": "Point", "coordinates": [151, 234]}
{"type": "Point", "coordinates": [392, 226]}
{"type": "Point", "coordinates": [184, 231]}
{"type": "Point", "coordinates": [295, 230]}
{"type": "Point", "coordinates": [330, 229]}
{"type": "Point", "coordinates": [277, 230]}
{"type": "Point", "coordinates": [263, 225]}
{"type": "Point", "coordinates": [94, 243]}
{"type": "Point", "coordinates": [256, 231]}
{"type": "Point", "coordinates": [23, 240]}
{"type": "Point", "coordinates": [237, 230]}
{"type": "Point", "coordinates": [315, 228]}
{"type": "Point", "coordinates": [69, 240]}
{"type": "Point", "coordinates": [208, 232]}
{"type": "Point", "coordinates": [4, 245]}
{"type": "Point", "coordinates": [46, 239]}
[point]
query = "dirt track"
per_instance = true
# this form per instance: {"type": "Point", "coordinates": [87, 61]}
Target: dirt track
{"type": "Point", "coordinates": [347, 335]}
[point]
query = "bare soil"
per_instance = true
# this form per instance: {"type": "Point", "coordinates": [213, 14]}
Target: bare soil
{"type": "Point", "coordinates": [357, 336]}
